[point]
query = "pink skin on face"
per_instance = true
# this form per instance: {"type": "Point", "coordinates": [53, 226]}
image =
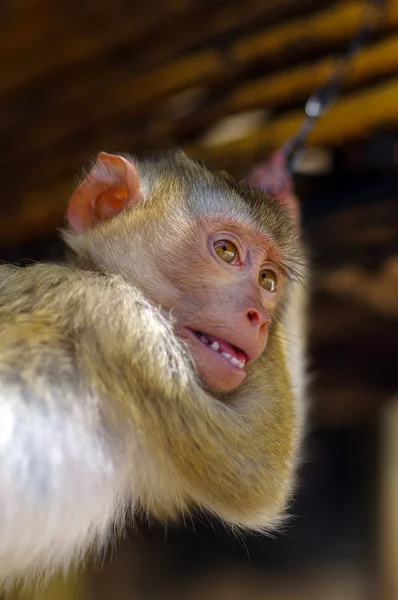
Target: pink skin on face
{"type": "Point", "coordinates": [231, 331]}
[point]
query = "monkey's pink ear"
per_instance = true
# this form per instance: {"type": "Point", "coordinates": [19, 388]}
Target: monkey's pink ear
{"type": "Point", "coordinates": [273, 177]}
{"type": "Point", "coordinates": [111, 185]}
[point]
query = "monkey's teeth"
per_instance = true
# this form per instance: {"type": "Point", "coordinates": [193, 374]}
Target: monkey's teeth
{"type": "Point", "coordinates": [216, 347]}
{"type": "Point", "coordinates": [233, 360]}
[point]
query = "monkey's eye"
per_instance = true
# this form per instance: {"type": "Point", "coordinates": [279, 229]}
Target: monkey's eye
{"type": "Point", "coordinates": [225, 250]}
{"type": "Point", "coordinates": [268, 280]}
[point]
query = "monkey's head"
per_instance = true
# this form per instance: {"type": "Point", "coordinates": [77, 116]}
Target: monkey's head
{"type": "Point", "coordinates": [214, 254]}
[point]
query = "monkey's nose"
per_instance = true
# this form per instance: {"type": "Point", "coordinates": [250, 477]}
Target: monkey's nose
{"type": "Point", "coordinates": [258, 318]}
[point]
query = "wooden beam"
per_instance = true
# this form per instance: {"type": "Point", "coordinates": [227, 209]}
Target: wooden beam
{"type": "Point", "coordinates": [154, 38]}
{"type": "Point", "coordinates": [332, 25]}
{"type": "Point", "coordinates": [353, 116]}
{"type": "Point", "coordinates": [33, 28]}
{"type": "Point", "coordinates": [40, 160]}
{"type": "Point", "coordinates": [293, 85]}
{"type": "Point", "coordinates": [146, 89]}
{"type": "Point", "coordinates": [64, 47]}
{"type": "Point", "coordinates": [207, 25]}
{"type": "Point", "coordinates": [137, 95]}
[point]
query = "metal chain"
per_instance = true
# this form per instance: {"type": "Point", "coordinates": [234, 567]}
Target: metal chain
{"type": "Point", "coordinates": [321, 100]}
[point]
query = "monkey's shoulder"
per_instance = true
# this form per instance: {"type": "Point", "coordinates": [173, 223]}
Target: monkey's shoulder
{"type": "Point", "coordinates": [57, 322]}
{"type": "Point", "coordinates": [52, 303]}
{"type": "Point", "coordinates": [47, 284]}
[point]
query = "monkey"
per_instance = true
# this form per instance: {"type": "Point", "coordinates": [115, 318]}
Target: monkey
{"type": "Point", "coordinates": [157, 371]}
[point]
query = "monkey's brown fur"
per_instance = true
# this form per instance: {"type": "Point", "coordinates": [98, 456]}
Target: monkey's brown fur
{"type": "Point", "coordinates": [90, 347]}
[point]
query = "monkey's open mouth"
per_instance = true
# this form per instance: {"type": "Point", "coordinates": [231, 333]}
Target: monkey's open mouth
{"type": "Point", "coordinates": [232, 353]}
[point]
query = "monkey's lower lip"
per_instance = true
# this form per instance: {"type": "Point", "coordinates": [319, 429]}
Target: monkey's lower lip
{"type": "Point", "coordinates": [236, 356]}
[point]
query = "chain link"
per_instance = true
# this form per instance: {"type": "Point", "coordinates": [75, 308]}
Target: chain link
{"type": "Point", "coordinates": [321, 100]}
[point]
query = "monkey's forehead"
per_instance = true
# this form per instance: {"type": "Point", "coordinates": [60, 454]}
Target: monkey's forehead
{"type": "Point", "coordinates": [182, 181]}
{"type": "Point", "coordinates": [257, 212]}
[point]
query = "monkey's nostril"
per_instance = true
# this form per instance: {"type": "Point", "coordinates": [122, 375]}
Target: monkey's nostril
{"type": "Point", "coordinates": [253, 316]}
{"type": "Point", "coordinates": [258, 318]}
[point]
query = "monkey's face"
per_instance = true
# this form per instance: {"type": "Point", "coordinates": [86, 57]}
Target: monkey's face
{"type": "Point", "coordinates": [205, 250]}
{"type": "Point", "coordinates": [227, 284]}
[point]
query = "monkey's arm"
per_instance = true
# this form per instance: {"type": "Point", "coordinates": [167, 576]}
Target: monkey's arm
{"type": "Point", "coordinates": [62, 473]}
{"type": "Point", "coordinates": [6, 271]}
{"type": "Point", "coordinates": [84, 363]}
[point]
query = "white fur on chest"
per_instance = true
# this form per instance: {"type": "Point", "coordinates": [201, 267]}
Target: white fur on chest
{"type": "Point", "coordinates": [59, 488]}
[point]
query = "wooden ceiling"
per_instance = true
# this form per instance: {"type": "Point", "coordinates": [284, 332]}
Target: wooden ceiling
{"type": "Point", "coordinates": [118, 75]}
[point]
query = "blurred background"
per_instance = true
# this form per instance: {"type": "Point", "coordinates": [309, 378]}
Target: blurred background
{"type": "Point", "coordinates": [228, 81]}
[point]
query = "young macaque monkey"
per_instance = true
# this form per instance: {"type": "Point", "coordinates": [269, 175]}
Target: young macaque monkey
{"type": "Point", "coordinates": [154, 373]}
